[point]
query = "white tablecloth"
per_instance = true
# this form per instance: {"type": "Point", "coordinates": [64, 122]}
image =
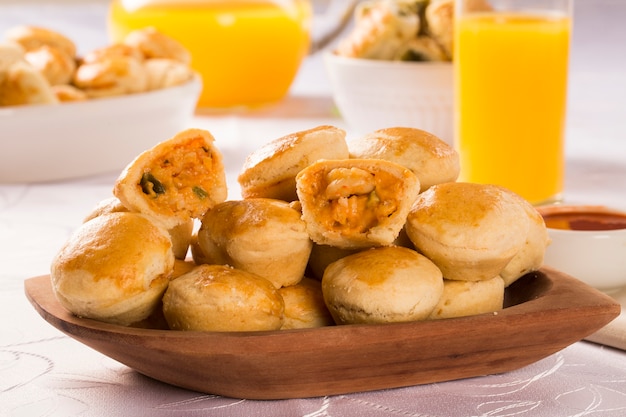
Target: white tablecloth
{"type": "Point", "coordinates": [45, 373]}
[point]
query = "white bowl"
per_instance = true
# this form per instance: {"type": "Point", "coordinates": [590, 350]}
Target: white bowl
{"type": "Point", "coordinates": [596, 257]}
{"type": "Point", "coordinates": [53, 142]}
{"type": "Point", "coordinates": [375, 94]}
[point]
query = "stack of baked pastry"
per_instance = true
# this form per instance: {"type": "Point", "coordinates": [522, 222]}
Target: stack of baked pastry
{"type": "Point", "coordinates": [405, 30]}
{"type": "Point", "coordinates": [42, 66]}
{"type": "Point", "coordinates": [326, 231]}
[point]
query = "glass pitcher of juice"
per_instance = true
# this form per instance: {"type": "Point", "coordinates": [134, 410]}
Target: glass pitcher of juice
{"type": "Point", "coordinates": [247, 52]}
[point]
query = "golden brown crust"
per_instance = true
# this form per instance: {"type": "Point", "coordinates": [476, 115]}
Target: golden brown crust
{"type": "Point", "coordinates": [530, 257]}
{"type": "Point", "coordinates": [468, 298]}
{"type": "Point", "coordinates": [114, 268]}
{"type": "Point", "coordinates": [430, 158]}
{"type": "Point", "coordinates": [355, 203]}
{"type": "Point", "coordinates": [382, 285]}
{"type": "Point", "coordinates": [471, 231]}
{"type": "Point", "coordinates": [271, 170]}
{"type": "Point", "coordinates": [304, 306]}
{"type": "Point", "coordinates": [263, 236]}
{"type": "Point", "coordinates": [180, 234]}
{"type": "Point", "coordinates": [177, 180]}
{"type": "Point", "coordinates": [222, 298]}
{"type": "Point", "coordinates": [440, 18]}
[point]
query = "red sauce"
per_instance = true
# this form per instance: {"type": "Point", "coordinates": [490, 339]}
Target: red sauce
{"type": "Point", "coordinates": [585, 220]}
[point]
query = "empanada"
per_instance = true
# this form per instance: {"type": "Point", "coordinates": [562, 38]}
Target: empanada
{"type": "Point", "coordinates": [356, 203]}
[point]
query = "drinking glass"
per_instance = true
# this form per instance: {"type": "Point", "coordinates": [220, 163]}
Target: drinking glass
{"type": "Point", "coordinates": [511, 67]}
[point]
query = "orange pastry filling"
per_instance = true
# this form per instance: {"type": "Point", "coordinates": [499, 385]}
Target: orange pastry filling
{"type": "Point", "coordinates": [356, 200]}
{"type": "Point", "coordinates": [181, 180]}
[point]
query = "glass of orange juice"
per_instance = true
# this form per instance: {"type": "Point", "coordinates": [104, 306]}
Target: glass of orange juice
{"type": "Point", "coordinates": [511, 67]}
{"type": "Point", "coordinates": [247, 51]}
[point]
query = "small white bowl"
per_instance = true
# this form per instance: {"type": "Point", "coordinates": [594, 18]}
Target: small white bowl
{"type": "Point", "coordinates": [375, 94]}
{"type": "Point", "coordinates": [596, 257]}
{"type": "Point", "coordinates": [42, 143]}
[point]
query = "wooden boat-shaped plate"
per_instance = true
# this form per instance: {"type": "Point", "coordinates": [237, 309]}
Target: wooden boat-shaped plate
{"type": "Point", "coordinates": [545, 312]}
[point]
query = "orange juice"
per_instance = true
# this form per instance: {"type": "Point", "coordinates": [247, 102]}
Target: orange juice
{"type": "Point", "coordinates": [248, 52]}
{"type": "Point", "coordinates": [511, 82]}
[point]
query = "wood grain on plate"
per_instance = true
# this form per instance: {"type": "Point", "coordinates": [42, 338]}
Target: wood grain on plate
{"type": "Point", "coordinates": [546, 311]}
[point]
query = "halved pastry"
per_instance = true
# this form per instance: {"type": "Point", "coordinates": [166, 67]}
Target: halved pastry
{"type": "Point", "coordinates": [356, 203]}
{"type": "Point", "coordinates": [270, 171]}
{"type": "Point", "coordinates": [177, 180]}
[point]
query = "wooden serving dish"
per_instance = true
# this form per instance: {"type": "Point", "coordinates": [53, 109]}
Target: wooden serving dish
{"type": "Point", "coordinates": [545, 312]}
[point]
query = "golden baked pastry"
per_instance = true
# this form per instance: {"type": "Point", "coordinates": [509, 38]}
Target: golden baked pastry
{"type": "Point", "coordinates": [304, 306]}
{"type": "Point", "coordinates": [164, 73]}
{"type": "Point", "coordinates": [530, 257]}
{"type": "Point", "coordinates": [380, 29]}
{"type": "Point", "coordinates": [440, 18]}
{"type": "Point", "coordinates": [263, 236]}
{"type": "Point", "coordinates": [222, 299]}
{"type": "Point", "coordinates": [114, 268]}
{"type": "Point", "coordinates": [177, 180]}
{"type": "Point", "coordinates": [430, 158]}
{"type": "Point", "coordinates": [113, 50]}
{"type": "Point", "coordinates": [382, 285]}
{"type": "Point", "coordinates": [112, 76]}
{"type": "Point", "coordinates": [53, 63]}
{"type": "Point", "coordinates": [468, 298]}
{"type": "Point", "coordinates": [180, 234]}
{"type": "Point", "coordinates": [33, 37]}
{"type": "Point", "coordinates": [155, 44]}
{"type": "Point", "coordinates": [21, 84]}
{"type": "Point", "coordinates": [324, 255]}
{"type": "Point", "coordinates": [66, 93]}
{"type": "Point", "coordinates": [270, 171]}
{"type": "Point", "coordinates": [470, 231]}
{"type": "Point", "coordinates": [356, 203]}
{"type": "Point", "coordinates": [10, 53]}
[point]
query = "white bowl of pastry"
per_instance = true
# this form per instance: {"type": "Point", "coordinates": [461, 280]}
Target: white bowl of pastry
{"type": "Point", "coordinates": [395, 69]}
{"type": "Point", "coordinates": [63, 116]}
